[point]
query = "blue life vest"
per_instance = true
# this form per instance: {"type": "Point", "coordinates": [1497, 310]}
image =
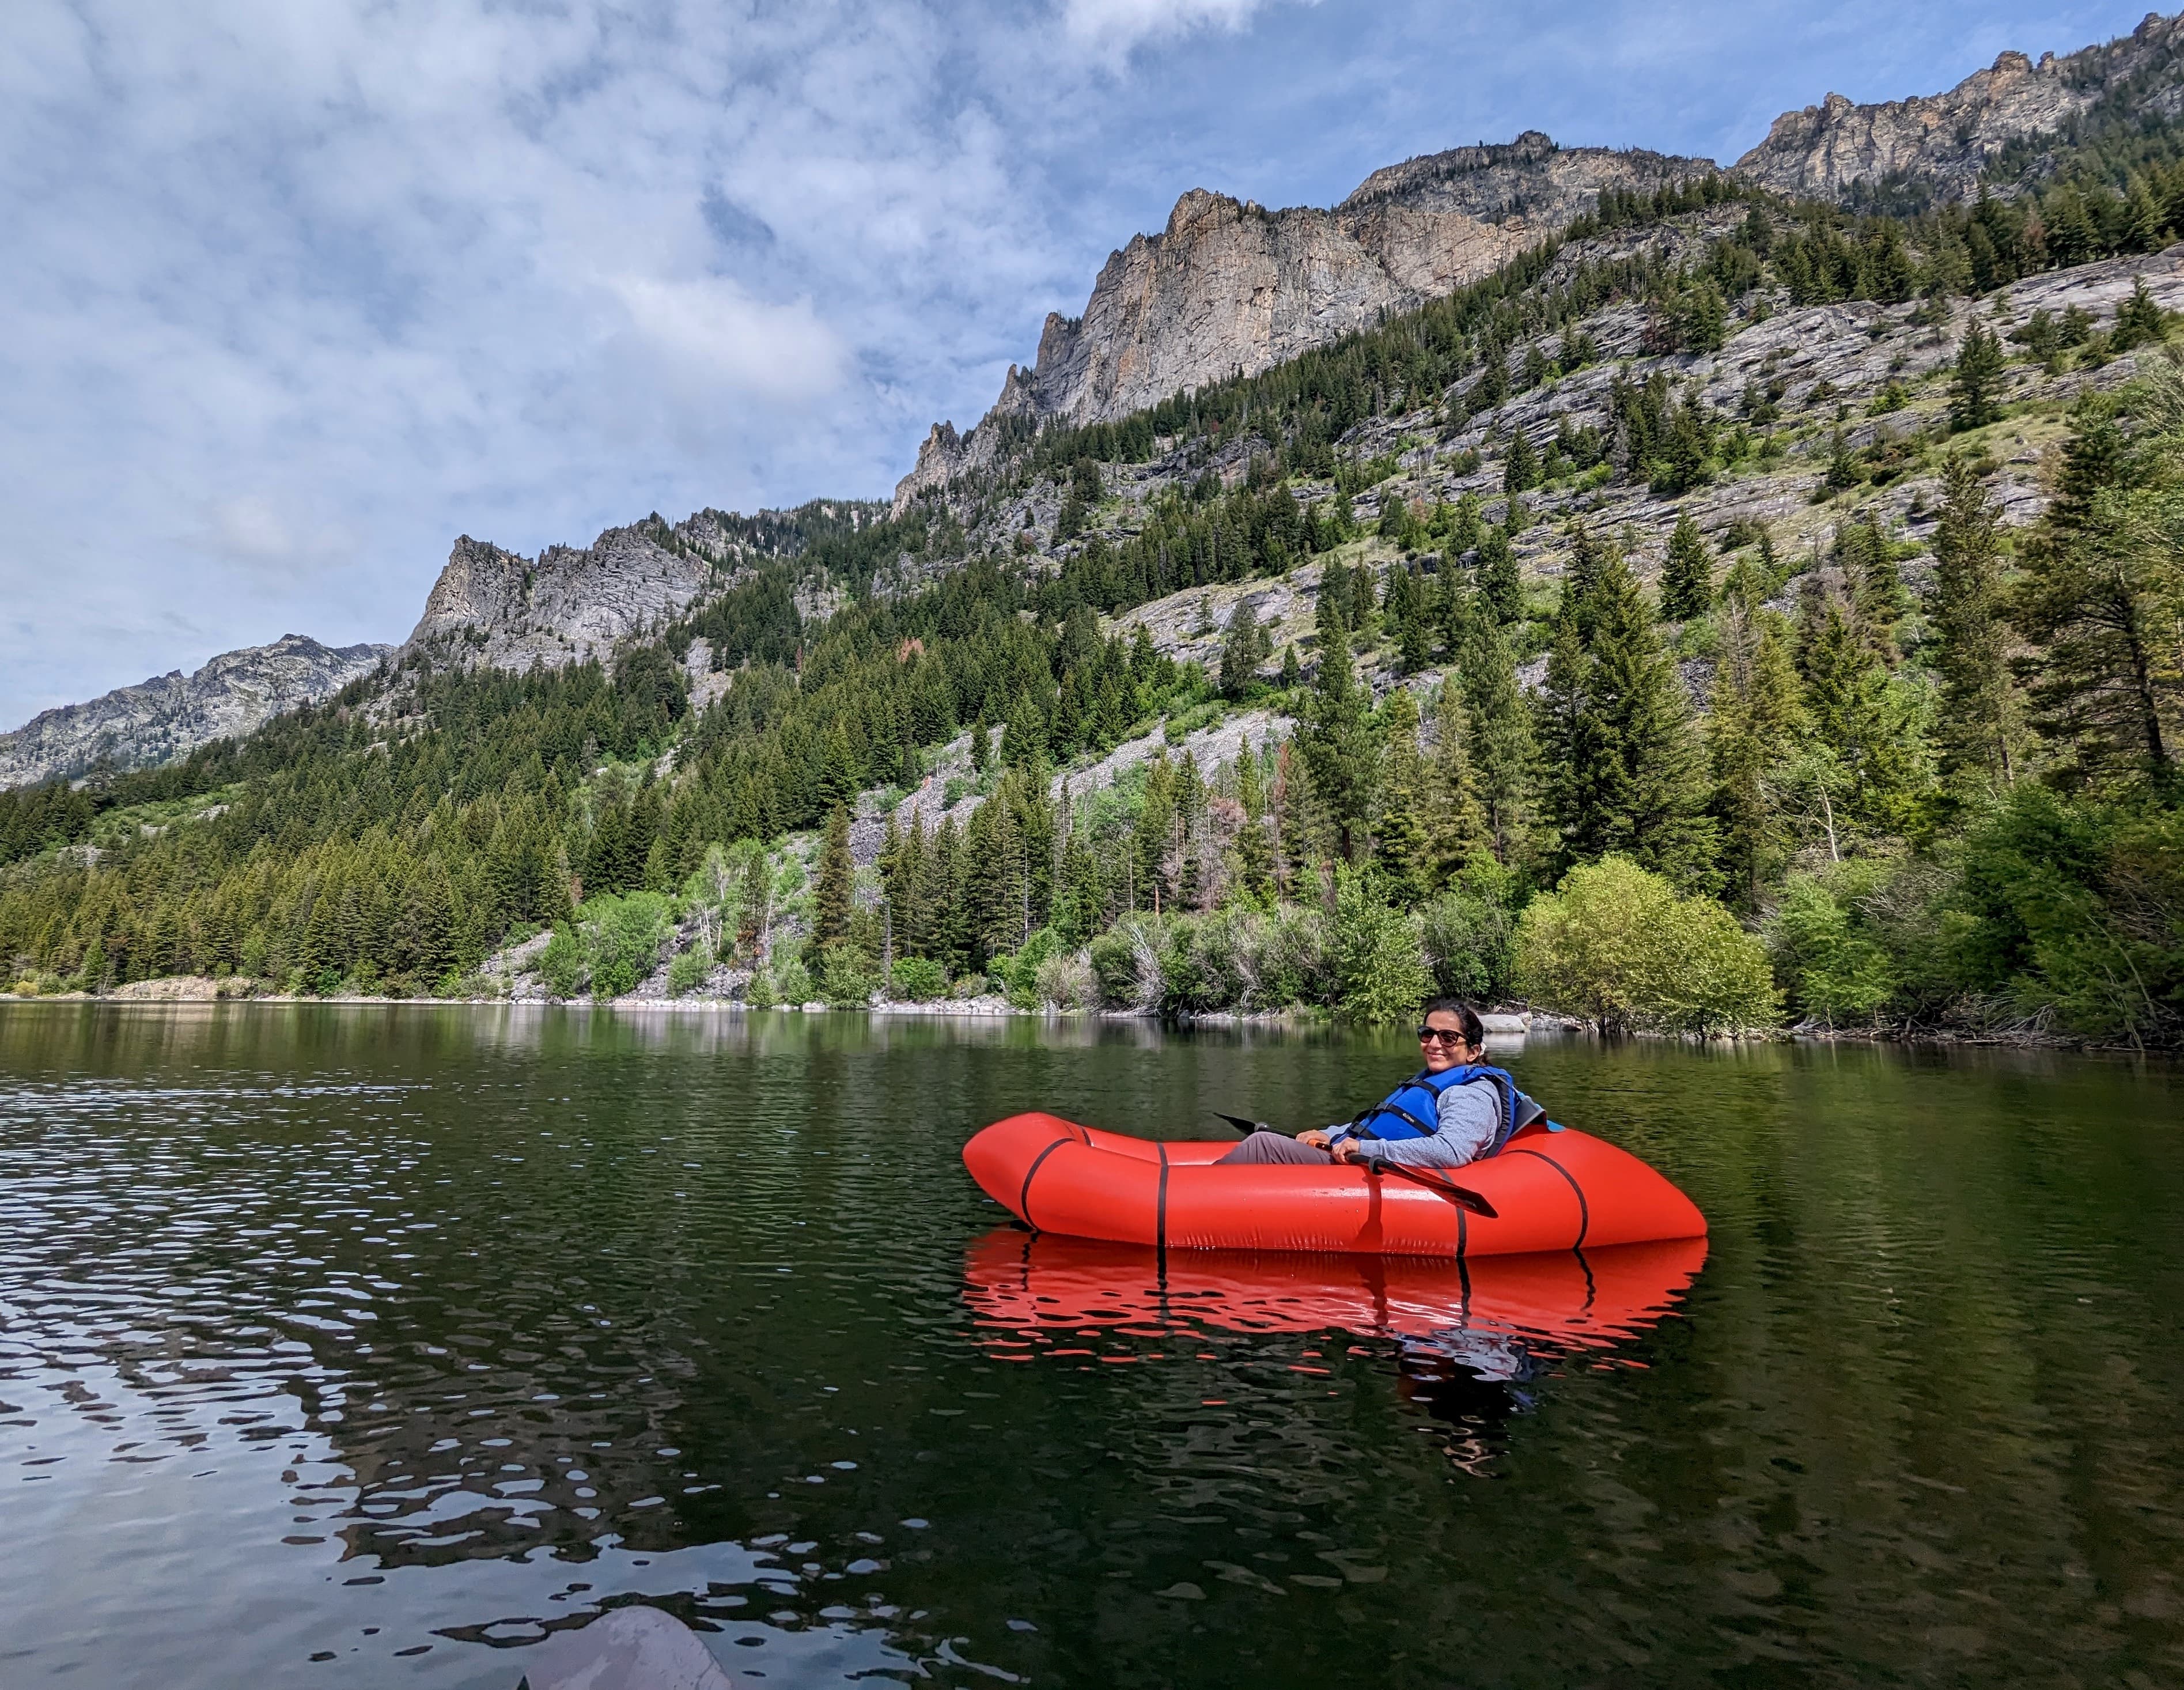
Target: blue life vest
{"type": "Point", "coordinates": [1412, 1109]}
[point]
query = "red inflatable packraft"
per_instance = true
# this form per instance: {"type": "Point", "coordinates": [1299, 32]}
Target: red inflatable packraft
{"type": "Point", "coordinates": [1546, 1190]}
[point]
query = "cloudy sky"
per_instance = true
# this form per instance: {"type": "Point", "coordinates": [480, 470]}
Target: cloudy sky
{"type": "Point", "coordinates": [296, 290]}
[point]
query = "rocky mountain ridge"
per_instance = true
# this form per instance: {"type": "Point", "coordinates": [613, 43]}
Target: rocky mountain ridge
{"type": "Point", "coordinates": [1948, 139]}
{"type": "Point", "coordinates": [169, 715]}
{"type": "Point", "coordinates": [489, 605]}
{"type": "Point", "coordinates": [1229, 286]}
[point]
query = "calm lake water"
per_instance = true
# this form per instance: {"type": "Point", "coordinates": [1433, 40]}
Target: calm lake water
{"type": "Point", "coordinates": [356, 1346]}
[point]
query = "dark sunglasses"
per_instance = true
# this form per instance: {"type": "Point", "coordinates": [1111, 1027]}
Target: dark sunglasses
{"type": "Point", "coordinates": [1446, 1035]}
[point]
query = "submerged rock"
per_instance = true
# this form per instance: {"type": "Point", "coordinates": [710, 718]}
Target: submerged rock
{"type": "Point", "coordinates": [632, 1649]}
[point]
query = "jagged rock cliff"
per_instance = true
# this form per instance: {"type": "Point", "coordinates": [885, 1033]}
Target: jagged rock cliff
{"type": "Point", "coordinates": [563, 605]}
{"type": "Point", "coordinates": [170, 715]}
{"type": "Point", "coordinates": [1229, 286]}
{"type": "Point", "coordinates": [572, 603]}
{"type": "Point", "coordinates": [1949, 139]}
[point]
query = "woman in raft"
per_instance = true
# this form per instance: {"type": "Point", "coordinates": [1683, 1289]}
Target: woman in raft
{"type": "Point", "coordinates": [1453, 1111]}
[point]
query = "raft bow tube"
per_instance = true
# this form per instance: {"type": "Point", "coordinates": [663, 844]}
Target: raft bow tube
{"type": "Point", "coordinates": [1549, 1190]}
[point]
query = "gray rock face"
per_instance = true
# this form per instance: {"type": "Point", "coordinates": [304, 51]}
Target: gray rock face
{"type": "Point", "coordinates": [565, 605]}
{"type": "Point", "coordinates": [1228, 286]}
{"type": "Point", "coordinates": [947, 456]}
{"type": "Point", "coordinates": [1824, 150]}
{"type": "Point", "coordinates": [171, 715]}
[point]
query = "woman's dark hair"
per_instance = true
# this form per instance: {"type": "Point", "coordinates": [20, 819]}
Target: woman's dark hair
{"type": "Point", "coordinates": [1466, 1018]}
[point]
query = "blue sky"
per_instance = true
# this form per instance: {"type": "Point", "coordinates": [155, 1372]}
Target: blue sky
{"type": "Point", "coordinates": [297, 290]}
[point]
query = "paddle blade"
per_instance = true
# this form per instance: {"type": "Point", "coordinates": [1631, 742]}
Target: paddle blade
{"type": "Point", "coordinates": [1241, 1125]}
{"type": "Point", "coordinates": [1462, 1196]}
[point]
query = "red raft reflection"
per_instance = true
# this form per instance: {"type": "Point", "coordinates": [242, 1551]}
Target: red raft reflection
{"type": "Point", "coordinates": [1043, 1288]}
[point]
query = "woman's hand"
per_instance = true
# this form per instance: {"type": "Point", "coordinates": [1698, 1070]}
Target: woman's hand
{"type": "Point", "coordinates": [1314, 1137]}
{"type": "Point", "coordinates": [1348, 1150]}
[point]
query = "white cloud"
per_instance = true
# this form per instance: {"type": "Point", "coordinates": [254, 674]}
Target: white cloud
{"type": "Point", "coordinates": [713, 335]}
{"type": "Point", "coordinates": [1115, 27]}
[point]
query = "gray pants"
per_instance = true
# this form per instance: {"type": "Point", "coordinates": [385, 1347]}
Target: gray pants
{"type": "Point", "coordinates": [1263, 1147]}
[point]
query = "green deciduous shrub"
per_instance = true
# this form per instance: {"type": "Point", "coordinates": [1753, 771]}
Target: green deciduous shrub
{"type": "Point", "coordinates": [1066, 981]}
{"type": "Point", "coordinates": [791, 980]}
{"type": "Point", "coordinates": [1126, 962]}
{"type": "Point", "coordinates": [1379, 969]}
{"type": "Point", "coordinates": [1618, 946]}
{"type": "Point", "coordinates": [1470, 937]}
{"type": "Point", "coordinates": [626, 934]}
{"type": "Point", "coordinates": [688, 970]}
{"type": "Point", "coordinates": [918, 979]}
{"type": "Point", "coordinates": [847, 976]}
{"type": "Point", "coordinates": [2075, 909]}
{"type": "Point", "coordinates": [1836, 970]}
{"type": "Point", "coordinates": [1016, 976]}
{"type": "Point", "coordinates": [565, 963]}
{"type": "Point", "coordinates": [1208, 962]}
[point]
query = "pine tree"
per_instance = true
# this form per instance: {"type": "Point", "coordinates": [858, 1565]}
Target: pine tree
{"type": "Point", "coordinates": [1501, 747]}
{"type": "Point", "coordinates": [1686, 581]}
{"type": "Point", "coordinates": [2139, 319]}
{"type": "Point", "coordinates": [842, 776]}
{"type": "Point", "coordinates": [1406, 617]}
{"type": "Point", "coordinates": [988, 889]}
{"type": "Point", "coordinates": [1858, 726]}
{"type": "Point", "coordinates": [2147, 223]}
{"type": "Point", "coordinates": [1242, 651]}
{"type": "Point", "coordinates": [831, 893]}
{"type": "Point", "coordinates": [1024, 743]}
{"type": "Point", "coordinates": [1451, 603]}
{"type": "Point", "coordinates": [1156, 825]}
{"type": "Point", "coordinates": [1464, 527]}
{"type": "Point", "coordinates": [1402, 847]}
{"type": "Point", "coordinates": [1755, 718]}
{"type": "Point", "coordinates": [1363, 615]}
{"type": "Point", "coordinates": [1255, 851]}
{"type": "Point", "coordinates": [1335, 740]}
{"type": "Point", "coordinates": [1332, 616]}
{"type": "Point", "coordinates": [1878, 598]}
{"type": "Point", "coordinates": [1457, 820]}
{"type": "Point", "coordinates": [1627, 775]}
{"type": "Point", "coordinates": [982, 750]}
{"type": "Point", "coordinates": [1292, 677]}
{"type": "Point", "coordinates": [2098, 574]}
{"type": "Point", "coordinates": [1975, 384]}
{"type": "Point", "coordinates": [938, 934]}
{"type": "Point", "coordinates": [1976, 726]}
{"type": "Point", "coordinates": [1843, 468]}
{"type": "Point", "coordinates": [1520, 470]}
{"type": "Point", "coordinates": [1567, 735]}
{"type": "Point", "coordinates": [1501, 588]}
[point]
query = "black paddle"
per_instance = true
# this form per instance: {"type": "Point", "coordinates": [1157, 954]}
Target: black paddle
{"type": "Point", "coordinates": [1455, 1193]}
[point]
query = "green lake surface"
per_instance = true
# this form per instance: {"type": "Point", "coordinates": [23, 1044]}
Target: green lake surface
{"type": "Point", "coordinates": [358, 1346]}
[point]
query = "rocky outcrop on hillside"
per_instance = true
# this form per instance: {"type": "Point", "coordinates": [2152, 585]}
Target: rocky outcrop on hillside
{"type": "Point", "coordinates": [566, 605]}
{"type": "Point", "coordinates": [947, 456]}
{"type": "Point", "coordinates": [1229, 286]}
{"type": "Point", "coordinates": [171, 715]}
{"type": "Point", "coordinates": [1949, 139]}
